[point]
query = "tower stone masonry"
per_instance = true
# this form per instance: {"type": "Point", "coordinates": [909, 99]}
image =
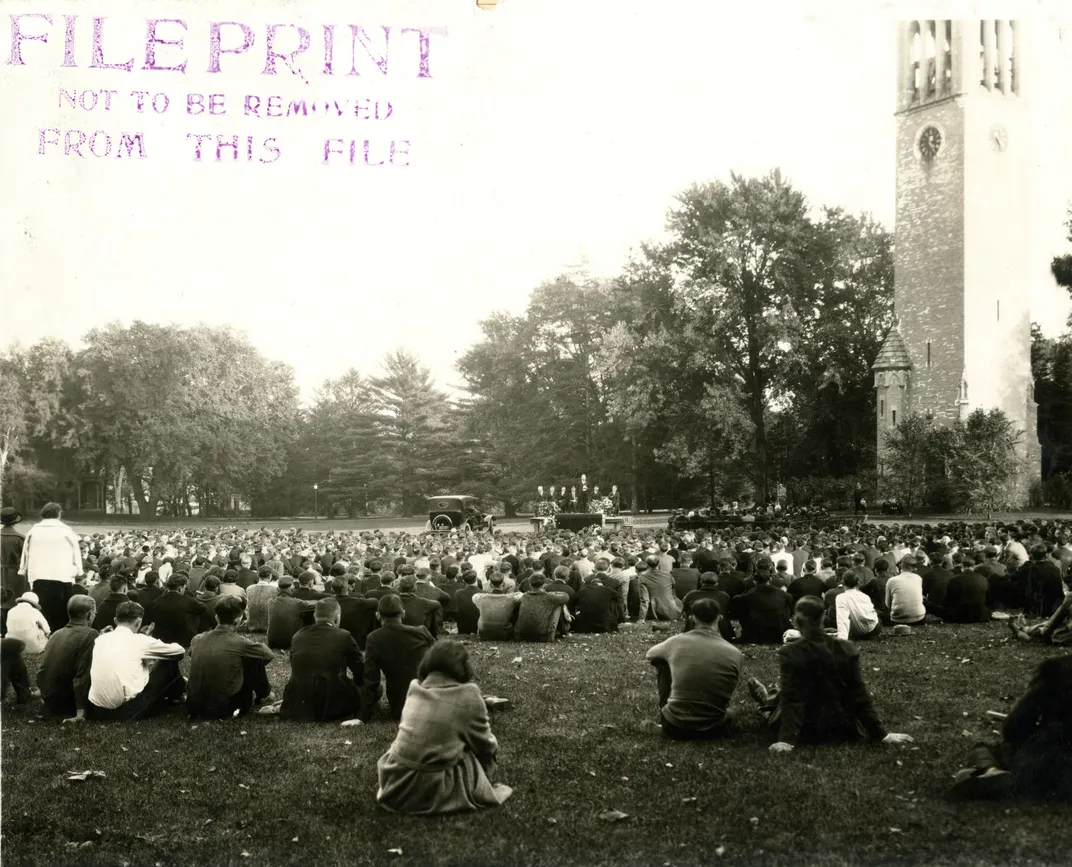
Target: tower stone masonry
{"type": "Point", "coordinates": [962, 258]}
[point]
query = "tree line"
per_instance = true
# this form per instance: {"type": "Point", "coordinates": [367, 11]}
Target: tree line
{"type": "Point", "coordinates": [729, 358]}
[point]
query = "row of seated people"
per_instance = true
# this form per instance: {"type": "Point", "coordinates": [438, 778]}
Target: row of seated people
{"type": "Point", "coordinates": [124, 672]}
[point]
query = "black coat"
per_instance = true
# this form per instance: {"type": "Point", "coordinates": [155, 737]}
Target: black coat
{"type": "Point", "coordinates": [598, 608]}
{"type": "Point", "coordinates": [146, 597]}
{"type": "Point", "coordinates": [176, 618]}
{"type": "Point", "coordinates": [965, 599]}
{"type": "Point", "coordinates": [394, 651]}
{"type": "Point", "coordinates": [822, 696]}
{"type": "Point", "coordinates": [319, 688]}
{"type": "Point", "coordinates": [763, 613]}
{"type": "Point", "coordinates": [106, 610]}
{"type": "Point", "coordinates": [286, 615]}
{"type": "Point", "coordinates": [11, 542]}
{"type": "Point", "coordinates": [422, 612]}
{"type": "Point", "coordinates": [725, 628]}
{"type": "Point", "coordinates": [806, 585]}
{"type": "Point", "coordinates": [358, 617]}
{"type": "Point", "coordinates": [467, 613]}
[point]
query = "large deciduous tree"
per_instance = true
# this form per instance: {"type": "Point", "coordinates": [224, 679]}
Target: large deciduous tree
{"type": "Point", "coordinates": [12, 415]}
{"type": "Point", "coordinates": [1051, 365]}
{"type": "Point", "coordinates": [744, 255]}
{"type": "Point", "coordinates": [183, 410]}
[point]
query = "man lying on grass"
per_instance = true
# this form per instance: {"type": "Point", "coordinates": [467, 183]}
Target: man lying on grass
{"type": "Point", "coordinates": [821, 696]}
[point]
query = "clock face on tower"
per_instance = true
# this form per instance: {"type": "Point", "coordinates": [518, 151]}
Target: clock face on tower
{"type": "Point", "coordinates": [930, 142]}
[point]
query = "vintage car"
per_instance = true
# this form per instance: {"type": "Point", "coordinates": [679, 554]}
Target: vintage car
{"type": "Point", "coordinates": [449, 512]}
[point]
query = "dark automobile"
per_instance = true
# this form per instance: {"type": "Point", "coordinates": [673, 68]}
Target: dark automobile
{"type": "Point", "coordinates": [449, 512]}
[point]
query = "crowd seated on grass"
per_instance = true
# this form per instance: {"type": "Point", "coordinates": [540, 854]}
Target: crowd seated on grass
{"type": "Point", "coordinates": [355, 614]}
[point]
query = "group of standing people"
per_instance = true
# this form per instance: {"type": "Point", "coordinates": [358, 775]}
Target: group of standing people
{"type": "Point", "coordinates": [578, 501]}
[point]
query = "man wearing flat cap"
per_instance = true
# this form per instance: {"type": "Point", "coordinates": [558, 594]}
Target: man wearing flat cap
{"type": "Point", "coordinates": [11, 542]}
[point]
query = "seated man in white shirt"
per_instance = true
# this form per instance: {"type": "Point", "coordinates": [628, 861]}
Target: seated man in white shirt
{"type": "Point", "coordinates": [133, 675]}
{"type": "Point", "coordinates": [857, 619]}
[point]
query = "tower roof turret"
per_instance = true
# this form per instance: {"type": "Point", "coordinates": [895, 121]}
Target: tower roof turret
{"type": "Point", "coordinates": [893, 355]}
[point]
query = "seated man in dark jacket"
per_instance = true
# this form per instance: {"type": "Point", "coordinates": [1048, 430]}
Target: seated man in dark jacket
{"type": "Point", "coordinates": [147, 595]}
{"type": "Point", "coordinates": [357, 615]}
{"type": "Point", "coordinates": [106, 608]}
{"type": "Point", "coordinates": [821, 696]}
{"type": "Point", "coordinates": [394, 651]}
{"type": "Point", "coordinates": [176, 616]}
{"type": "Point", "coordinates": [763, 611]}
{"type": "Point", "coordinates": [808, 584]}
{"type": "Point", "coordinates": [450, 584]}
{"type": "Point", "coordinates": [686, 576]}
{"type": "Point", "coordinates": [319, 689]}
{"type": "Point", "coordinates": [227, 670]}
{"type": "Point", "coordinates": [1040, 580]}
{"type": "Point", "coordinates": [965, 599]}
{"type": "Point", "coordinates": [708, 589]}
{"type": "Point", "coordinates": [467, 614]}
{"type": "Point", "coordinates": [599, 607]}
{"type": "Point", "coordinates": [63, 677]}
{"type": "Point", "coordinates": [287, 614]}
{"type": "Point", "coordinates": [419, 611]}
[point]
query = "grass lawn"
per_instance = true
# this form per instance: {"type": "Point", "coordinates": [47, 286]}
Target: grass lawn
{"type": "Point", "coordinates": [260, 791]}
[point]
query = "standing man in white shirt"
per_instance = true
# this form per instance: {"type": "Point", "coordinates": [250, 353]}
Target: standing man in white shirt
{"type": "Point", "coordinates": [51, 558]}
{"type": "Point", "coordinates": [857, 619]}
{"type": "Point", "coordinates": [133, 675]}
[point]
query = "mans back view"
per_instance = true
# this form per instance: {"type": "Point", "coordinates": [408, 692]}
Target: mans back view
{"type": "Point", "coordinates": [657, 597]}
{"type": "Point", "coordinates": [498, 611]}
{"type": "Point", "coordinates": [599, 607]}
{"type": "Point", "coordinates": [698, 672]}
{"type": "Point", "coordinates": [319, 689]}
{"type": "Point", "coordinates": [51, 558]}
{"type": "Point", "coordinates": [394, 651]}
{"type": "Point", "coordinates": [540, 614]}
{"type": "Point", "coordinates": [763, 611]}
{"type": "Point", "coordinates": [467, 614]}
{"type": "Point", "coordinates": [286, 615]}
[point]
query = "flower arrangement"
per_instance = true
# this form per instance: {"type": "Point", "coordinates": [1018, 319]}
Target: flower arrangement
{"type": "Point", "coordinates": [547, 509]}
{"type": "Point", "coordinates": [603, 506]}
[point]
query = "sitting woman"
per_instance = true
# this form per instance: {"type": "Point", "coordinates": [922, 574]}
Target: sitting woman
{"type": "Point", "coordinates": [444, 750]}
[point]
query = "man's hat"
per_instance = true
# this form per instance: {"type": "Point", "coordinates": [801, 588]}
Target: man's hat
{"type": "Point", "coordinates": [9, 516]}
{"type": "Point", "coordinates": [30, 597]}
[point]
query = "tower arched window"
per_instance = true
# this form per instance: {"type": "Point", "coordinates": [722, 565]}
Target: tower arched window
{"type": "Point", "coordinates": [915, 58]}
{"type": "Point", "coordinates": [945, 46]}
{"type": "Point", "coordinates": [928, 60]}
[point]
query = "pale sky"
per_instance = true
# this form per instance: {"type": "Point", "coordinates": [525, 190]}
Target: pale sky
{"type": "Point", "coordinates": [549, 130]}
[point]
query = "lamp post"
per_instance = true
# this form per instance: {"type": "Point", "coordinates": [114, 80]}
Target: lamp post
{"type": "Point", "coordinates": [316, 501]}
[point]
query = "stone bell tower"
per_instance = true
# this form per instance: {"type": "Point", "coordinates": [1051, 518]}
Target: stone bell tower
{"type": "Point", "coordinates": [962, 259]}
